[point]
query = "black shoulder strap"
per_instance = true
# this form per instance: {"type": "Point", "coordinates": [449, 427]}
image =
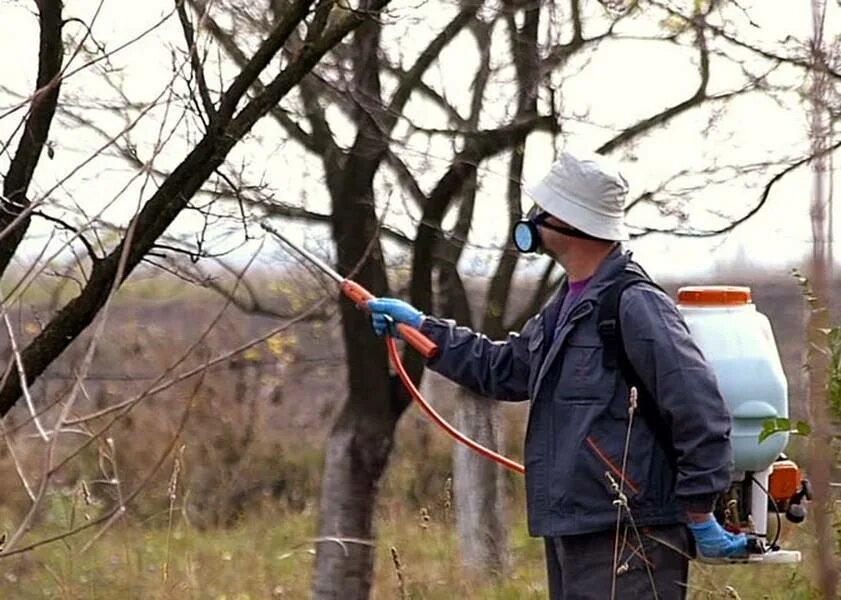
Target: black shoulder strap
{"type": "Point", "coordinates": [608, 317]}
{"type": "Point", "coordinates": [614, 356]}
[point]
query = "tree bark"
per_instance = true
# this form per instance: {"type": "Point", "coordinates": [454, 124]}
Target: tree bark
{"type": "Point", "coordinates": [820, 462]}
{"type": "Point", "coordinates": [356, 457]}
{"type": "Point", "coordinates": [357, 453]}
{"type": "Point", "coordinates": [363, 435]}
{"type": "Point", "coordinates": [478, 487]}
{"type": "Point", "coordinates": [35, 132]}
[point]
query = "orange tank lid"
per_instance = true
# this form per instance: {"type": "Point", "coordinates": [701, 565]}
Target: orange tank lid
{"type": "Point", "coordinates": [714, 295]}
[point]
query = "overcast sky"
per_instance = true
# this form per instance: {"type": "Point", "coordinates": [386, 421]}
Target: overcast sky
{"type": "Point", "coordinates": [617, 86]}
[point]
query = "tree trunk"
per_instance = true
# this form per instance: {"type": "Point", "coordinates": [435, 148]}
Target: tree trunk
{"type": "Point", "coordinates": [478, 483]}
{"type": "Point", "coordinates": [356, 456]}
{"type": "Point", "coordinates": [820, 465]}
{"type": "Point", "coordinates": [363, 435]}
{"type": "Point", "coordinates": [357, 453]}
{"type": "Point", "coordinates": [478, 486]}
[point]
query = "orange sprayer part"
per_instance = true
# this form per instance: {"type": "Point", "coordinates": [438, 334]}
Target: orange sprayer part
{"type": "Point", "coordinates": [784, 481]}
{"type": "Point", "coordinates": [359, 296]}
{"type": "Point", "coordinates": [355, 292]}
{"type": "Point", "coordinates": [713, 295]}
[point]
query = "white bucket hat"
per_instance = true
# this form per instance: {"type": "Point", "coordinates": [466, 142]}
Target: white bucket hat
{"type": "Point", "coordinates": [588, 192]}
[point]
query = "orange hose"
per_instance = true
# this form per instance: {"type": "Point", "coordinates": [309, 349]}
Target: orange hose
{"type": "Point", "coordinates": [439, 420]}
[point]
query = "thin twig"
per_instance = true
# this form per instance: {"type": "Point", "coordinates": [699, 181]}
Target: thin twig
{"type": "Point", "coordinates": [398, 567]}
{"type": "Point", "coordinates": [4, 552]}
{"type": "Point", "coordinates": [22, 376]}
{"type": "Point", "coordinates": [172, 492]}
{"type": "Point", "coordinates": [343, 541]}
{"type": "Point", "coordinates": [115, 516]}
{"type": "Point", "coordinates": [622, 504]}
{"type": "Point", "coordinates": [15, 460]}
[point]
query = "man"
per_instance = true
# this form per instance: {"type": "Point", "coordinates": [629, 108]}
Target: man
{"type": "Point", "coordinates": [676, 459]}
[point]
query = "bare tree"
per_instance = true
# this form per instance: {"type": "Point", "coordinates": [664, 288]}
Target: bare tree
{"type": "Point", "coordinates": [365, 85]}
{"type": "Point", "coordinates": [224, 115]}
{"type": "Point", "coordinates": [819, 318]}
{"type": "Point", "coordinates": [709, 31]}
{"type": "Point", "coordinates": [362, 436]}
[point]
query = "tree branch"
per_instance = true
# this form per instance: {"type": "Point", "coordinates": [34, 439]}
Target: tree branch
{"type": "Point", "coordinates": [373, 121]}
{"type": "Point", "coordinates": [526, 61]}
{"type": "Point", "coordinates": [41, 111]}
{"type": "Point", "coordinates": [804, 63]}
{"type": "Point", "coordinates": [696, 99]}
{"type": "Point", "coordinates": [755, 209]}
{"type": "Point", "coordinates": [195, 62]}
{"type": "Point", "coordinates": [314, 143]}
{"type": "Point", "coordinates": [64, 225]}
{"type": "Point", "coordinates": [250, 73]}
{"type": "Point", "coordinates": [170, 199]}
{"type": "Point", "coordinates": [430, 94]}
{"type": "Point", "coordinates": [559, 54]}
{"type": "Point", "coordinates": [484, 145]}
{"type": "Point", "coordinates": [406, 178]}
{"type": "Point", "coordinates": [410, 82]}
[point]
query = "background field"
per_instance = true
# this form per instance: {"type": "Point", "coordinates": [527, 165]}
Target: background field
{"type": "Point", "coordinates": [242, 521]}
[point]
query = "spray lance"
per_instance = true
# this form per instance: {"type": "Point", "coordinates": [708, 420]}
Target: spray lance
{"type": "Point", "coordinates": [426, 347]}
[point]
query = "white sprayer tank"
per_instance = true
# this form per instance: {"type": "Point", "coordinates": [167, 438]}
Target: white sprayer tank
{"type": "Point", "coordinates": [737, 341]}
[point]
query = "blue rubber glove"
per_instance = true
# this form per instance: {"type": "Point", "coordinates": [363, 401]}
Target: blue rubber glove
{"type": "Point", "coordinates": [713, 541]}
{"type": "Point", "coordinates": [386, 311]}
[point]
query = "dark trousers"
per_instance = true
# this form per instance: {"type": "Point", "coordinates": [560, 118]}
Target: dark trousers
{"type": "Point", "coordinates": [580, 567]}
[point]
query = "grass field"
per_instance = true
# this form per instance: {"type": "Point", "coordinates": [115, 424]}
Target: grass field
{"type": "Point", "coordinates": [271, 556]}
{"type": "Point", "coordinates": [254, 449]}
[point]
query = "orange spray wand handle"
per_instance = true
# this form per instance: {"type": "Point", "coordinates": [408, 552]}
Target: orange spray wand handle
{"type": "Point", "coordinates": [359, 296]}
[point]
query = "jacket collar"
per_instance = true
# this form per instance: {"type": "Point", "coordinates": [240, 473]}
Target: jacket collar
{"type": "Point", "coordinates": [613, 264]}
{"type": "Point", "coordinates": [610, 267]}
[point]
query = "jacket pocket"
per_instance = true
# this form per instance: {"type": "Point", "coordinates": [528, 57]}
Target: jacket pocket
{"type": "Point", "coordinates": [584, 380]}
{"type": "Point", "coordinates": [613, 468]}
{"type": "Point", "coordinates": [598, 466]}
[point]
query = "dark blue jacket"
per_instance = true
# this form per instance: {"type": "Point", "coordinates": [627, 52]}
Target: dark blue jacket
{"type": "Point", "coordinates": [579, 416]}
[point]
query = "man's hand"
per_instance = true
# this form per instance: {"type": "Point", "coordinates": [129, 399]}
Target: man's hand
{"type": "Point", "coordinates": [385, 311]}
{"type": "Point", "coordinates": [713, 541]}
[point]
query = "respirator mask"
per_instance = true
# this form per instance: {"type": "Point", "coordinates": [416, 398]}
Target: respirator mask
{"type": "Point", "coordinates": [526, 235]}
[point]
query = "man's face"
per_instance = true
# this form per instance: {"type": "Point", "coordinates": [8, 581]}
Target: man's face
{"type": "Point", "coordinates": [554, 243]}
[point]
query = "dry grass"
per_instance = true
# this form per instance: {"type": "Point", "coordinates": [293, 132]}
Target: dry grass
{"type": "Point", "coordinates": [234, 518]}
{"type": "Point", "coordinates": [269, 554]}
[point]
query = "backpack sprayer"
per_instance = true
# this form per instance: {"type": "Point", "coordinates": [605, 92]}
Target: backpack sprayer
{"type": "Point", "coordinates": [739, 344]}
